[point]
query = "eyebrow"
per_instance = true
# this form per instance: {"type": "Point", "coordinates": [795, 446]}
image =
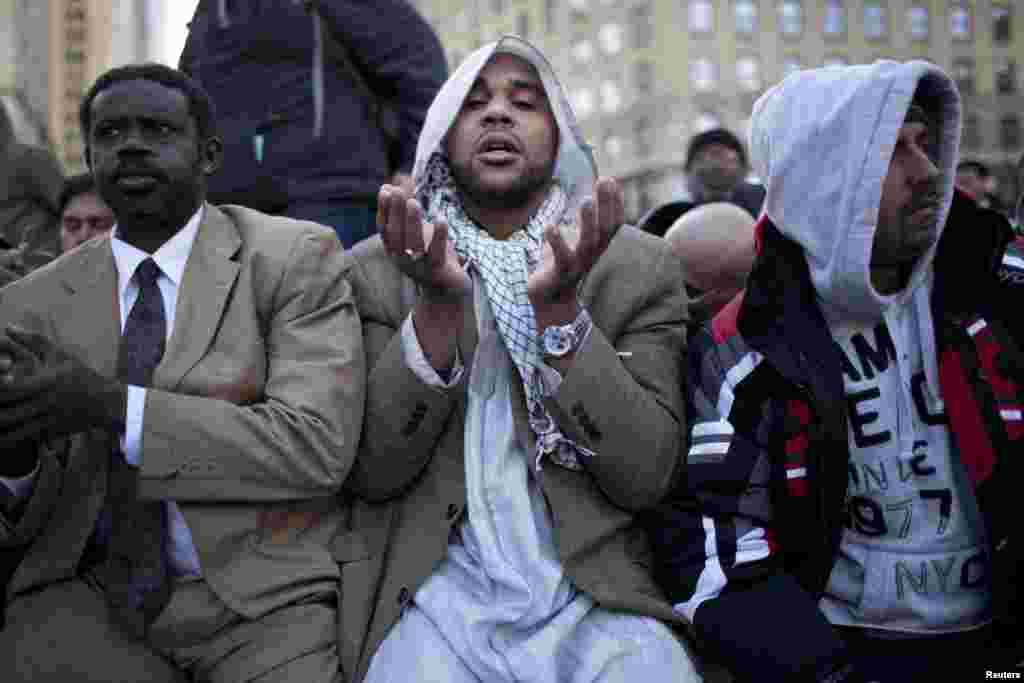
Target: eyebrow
{"type": "Point", "coordinates": [534, 86]}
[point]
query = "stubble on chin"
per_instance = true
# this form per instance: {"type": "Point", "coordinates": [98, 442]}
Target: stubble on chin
{"type": "Point", "coordinates": [514, 195]}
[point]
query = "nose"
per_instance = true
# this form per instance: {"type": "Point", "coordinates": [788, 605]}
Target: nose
{"type": "Point", "coordinates": [923, 169]}
{"type": "Point", "coordinates": [497, 112]}
{"type": "Point", "coordinates": [132, 141]}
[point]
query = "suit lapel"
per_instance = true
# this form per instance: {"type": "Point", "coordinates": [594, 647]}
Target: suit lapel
{"type": "Point", "coordinates": [94, 310]}
{"type": "Point", "coordinates": [202, 296]}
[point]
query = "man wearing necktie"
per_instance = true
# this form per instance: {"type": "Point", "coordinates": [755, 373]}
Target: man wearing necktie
{"type": "Point", "coordinates": [179, 406]}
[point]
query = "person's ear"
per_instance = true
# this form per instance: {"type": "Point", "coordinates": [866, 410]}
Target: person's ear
{"type": "Point", "coordinates": [211, 151]}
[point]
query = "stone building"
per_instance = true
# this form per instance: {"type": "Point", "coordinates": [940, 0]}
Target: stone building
{"type": "Point", "coordinates": [645, 75]}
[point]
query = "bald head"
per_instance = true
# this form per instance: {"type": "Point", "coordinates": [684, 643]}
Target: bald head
{"type": "Point", "coordinates": [716, 245]}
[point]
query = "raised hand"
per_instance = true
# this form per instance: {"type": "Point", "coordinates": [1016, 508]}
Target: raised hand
{"type": "Point", "coordinates": [420, 249]}
{"type": "Point", "coordinates": [46, 392]}
{"type": "Point", "coordinates": [563, 265]}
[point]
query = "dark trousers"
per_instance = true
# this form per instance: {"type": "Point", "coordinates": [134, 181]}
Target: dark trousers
{"type": "Point", "coordinates": [938, 658]}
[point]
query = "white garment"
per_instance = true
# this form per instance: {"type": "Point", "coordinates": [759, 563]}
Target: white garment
{"type": "Point", "coordinates": [913, 558]}
{"type": "Point", "coordinates": [500, 607]}
{"type": "Point", "coordinates": [171, 258]}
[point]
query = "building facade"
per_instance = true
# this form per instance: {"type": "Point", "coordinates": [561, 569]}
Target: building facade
{"type": "Point", "coordinates": [646, 75]}
{"type": "Point", "coordinates": [50, 53]}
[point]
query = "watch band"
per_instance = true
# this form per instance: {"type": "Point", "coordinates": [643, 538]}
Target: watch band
{"type": "Point", "coordinates": [561, 340]}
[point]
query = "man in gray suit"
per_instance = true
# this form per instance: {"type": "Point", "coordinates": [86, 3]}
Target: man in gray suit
{"type": "Point", "coordinates": [179, 406]}
{"type": "Point", "coordinates": [523, 402]}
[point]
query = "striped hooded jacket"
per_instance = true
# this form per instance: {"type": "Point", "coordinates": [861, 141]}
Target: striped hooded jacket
{"type": "Point", "coordinates": [753, 531]}
{"type": "Point", "coordinates": [746, 546]}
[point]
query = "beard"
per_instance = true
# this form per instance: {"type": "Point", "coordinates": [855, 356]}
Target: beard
{"type": "Point", "coordinates": [516, 195]}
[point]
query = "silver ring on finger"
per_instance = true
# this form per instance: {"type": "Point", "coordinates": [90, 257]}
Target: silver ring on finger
{"type": "Point", "coordinates": [414, 255]}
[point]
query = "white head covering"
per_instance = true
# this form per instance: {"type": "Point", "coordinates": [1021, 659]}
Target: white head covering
{"type": "Point", "coordinates": [504, 265]}
{"type": "Point", "coordinates": [822, 140]}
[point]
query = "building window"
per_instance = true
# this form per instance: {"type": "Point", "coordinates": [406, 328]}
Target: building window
{"type": "Point", "coordinates": [791, 18]}
{"type": "Point", "coordinates": [701, 16]}
{"type": "Point", "coordinates": [963, 74]}
{"type": "Point", "coordinates": [1009, 132]}
{"type": "Point", "coordinates": [972, 132]}
{"type": "Point", "coordinates": [876, 21]}
{"type": "Point", "coordinates": [746, 17]}
{"type": "Point", "coordinates": [918, 20]}
{"type": "Point", "coordinates": [641, 26]}
{"type": "Point", "coordinates": [833, 21]}
{"type": "Point", "coordinates": [1002, 24]}
{"type": "Point", "coordinates": [583, 51]}
{"type": "Point", "coordinates": [550, 7]}
{"type": "Point", "coordinates": [1006, 78]}
{"type": "Point", "coordinates": [610, 37]}
{"type": "Point", "coordinates": [644, 77]}
{"type": "Point", "coordinates": [523, 25]}
{"type": "Point", "coordinates": [748, 74]}
{"type": "Point", "coordinates": [702, 75]}
{"type": "Point", "coordinates": [611, 98]}
{"type": "Point", "coordinates": [583, 103]}
{"type": "Point", "coordinates": [642, 136]}
{"type": "Point", "coordinates": [960, 22]}
{"type": "Point", "coordinates": [613, 146]}
{"type": "Point", "coordinates": [790, 65]}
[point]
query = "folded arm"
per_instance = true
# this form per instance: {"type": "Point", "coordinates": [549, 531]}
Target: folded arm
{"type": "Point", "coordinates": [713, 535]}
{"type": "Point", "coordinates": [298, 437]}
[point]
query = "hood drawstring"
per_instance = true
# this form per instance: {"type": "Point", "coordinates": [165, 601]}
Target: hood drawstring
{"type": "Point", "coordinates": [318, 75]}
{"type": "Point", "coordinates": [222, 14]}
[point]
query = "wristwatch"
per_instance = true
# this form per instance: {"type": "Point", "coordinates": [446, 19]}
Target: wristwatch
{"type": "Point", "coordinates": [560, 340]}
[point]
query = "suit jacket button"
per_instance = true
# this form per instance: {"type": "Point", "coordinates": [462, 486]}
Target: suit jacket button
{"type": "Point", "coordinates": [453, 512]}
{"type": "Point", "coordinates": [403, 596]}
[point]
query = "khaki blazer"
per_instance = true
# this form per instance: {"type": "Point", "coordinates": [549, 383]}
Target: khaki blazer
{"type": "Point", "coordinates": [251, 425]}
{"type": "Point", "coordinates": [621, 399]}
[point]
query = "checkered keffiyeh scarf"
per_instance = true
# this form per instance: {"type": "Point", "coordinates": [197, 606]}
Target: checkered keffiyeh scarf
{"type": "Point", "coordinates": [503, 266]}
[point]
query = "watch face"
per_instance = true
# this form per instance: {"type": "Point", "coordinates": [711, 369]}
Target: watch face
{"type": "Point", "coordinates": [556, 341]}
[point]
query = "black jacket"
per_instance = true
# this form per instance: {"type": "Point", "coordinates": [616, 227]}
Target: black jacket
{"type": "Point", "coordinates": [257, 62]}
{"type": "Point", "coordinates": [788, 413]}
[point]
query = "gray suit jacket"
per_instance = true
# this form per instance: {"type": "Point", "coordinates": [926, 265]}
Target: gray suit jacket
{"type": "Point", "coordinates": [621, 399]}
{"type": "Point", "coordinates": [251, 425]}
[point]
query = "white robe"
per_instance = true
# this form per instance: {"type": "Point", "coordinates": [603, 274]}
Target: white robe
{"type": "Point", "coordinates": [500, 607]}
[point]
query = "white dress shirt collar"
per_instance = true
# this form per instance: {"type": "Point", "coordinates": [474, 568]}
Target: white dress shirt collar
{"type": "Point", "coordinates": [171, 257]}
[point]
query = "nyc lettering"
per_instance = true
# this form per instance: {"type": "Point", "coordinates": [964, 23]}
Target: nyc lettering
{"type": "Point", "coordinates": [934, 577]}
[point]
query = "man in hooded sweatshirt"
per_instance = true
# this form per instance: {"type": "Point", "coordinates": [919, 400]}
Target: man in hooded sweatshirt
{"type": "Point", "coordinates": [524, 402]}
{"type": "Point", "coordinates": [856, 428]}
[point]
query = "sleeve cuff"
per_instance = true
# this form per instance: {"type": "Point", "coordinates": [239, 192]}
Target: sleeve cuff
{"type": "Point", "coordinates": [131, 440]}
{"type": "Point", "coordinates": [412, 353]}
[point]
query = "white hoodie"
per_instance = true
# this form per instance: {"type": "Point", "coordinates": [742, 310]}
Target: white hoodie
{"type": "Point", "coordinates": [911, 559]}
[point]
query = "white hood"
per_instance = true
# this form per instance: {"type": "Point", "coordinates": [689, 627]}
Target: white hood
{"type": "Point", "coordinates": [822, 140]}
{"type": "Point", "coordinates": [575, 168]}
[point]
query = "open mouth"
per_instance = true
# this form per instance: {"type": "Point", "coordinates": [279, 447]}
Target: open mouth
{"type": "Point", "coordinates": [498, 149]}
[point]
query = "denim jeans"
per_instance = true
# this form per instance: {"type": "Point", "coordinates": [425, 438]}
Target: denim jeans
{"type": "Point", "coordinates": [352, 220]}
